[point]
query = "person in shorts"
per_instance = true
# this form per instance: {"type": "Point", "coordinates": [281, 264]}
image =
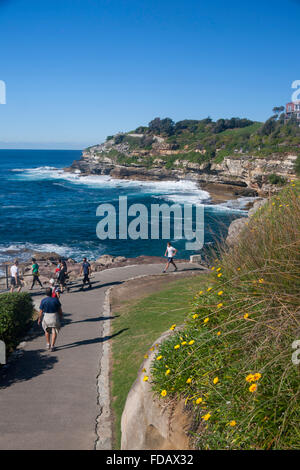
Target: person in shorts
{"type": "Point", "coordinates": [50, 315]}
{"type": "Point", "coordinates": [85, 271]}
{"type": "Point", "coordinates": [170, 253]}
{"type": "Point", "coordinates": [14, 277]}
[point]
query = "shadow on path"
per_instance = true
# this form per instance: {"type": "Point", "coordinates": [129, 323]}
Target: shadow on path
{"type": "Point", "coordinates": [92, 319]}
{"type": "Point", "coordinates": [95, 285]}
{"type": "Point", "coordinates": [90, 341]}
{"type": "Point", "coordinates": [25, 366]}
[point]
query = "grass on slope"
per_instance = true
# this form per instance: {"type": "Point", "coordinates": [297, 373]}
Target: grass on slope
{"type": "Point", "coordinates": [233, 361]}
{"type": "Point", "coordinates": [141, 323]}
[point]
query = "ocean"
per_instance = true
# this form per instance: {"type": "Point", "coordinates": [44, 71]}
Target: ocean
{"type": "Point", "coordinates": [44, 208]}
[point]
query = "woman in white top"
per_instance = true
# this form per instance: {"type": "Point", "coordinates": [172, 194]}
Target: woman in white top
{"type": "Point", "coordinates": [15, 280]}
{"type": "Point", "coordinates": [170, 253]}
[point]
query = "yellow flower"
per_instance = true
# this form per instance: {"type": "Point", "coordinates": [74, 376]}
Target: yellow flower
{"type": "Point", "coordinates": [220, 292]}
{"type": "Point", "coordinates": [216, 380]}
{"type": "Point", "coordinates": [191, 342]}
{"type": "Point", "coordinates": [145, 379]}
{"type": "Point", "coordinates": [146, 356]}
{"type": "Point", "coordinates": [164, 393]}
{"type": "Point", "coordinates": [219, 269]}
{"type": "Point", "coordinates": [206, 417]}
{"type": "Point", "coordinates": [238, 269]}
{"type": "Point", "coordinates": [173, 327]}
{"type": "Point", "coordinates": [177, 346]}
{"type": "Point", "coordinates": [206, 320]}
{"type": "Point", "coordinates": [249, 378]}
{"type": "Point", "coordinates": [246, 316]}
{"type": "Point", "coordinates": [220, 305]}
{"type": "Point", "coordinates": [261, 281]}
{"type": "Point", "coordinates": [144, 370]}
{"type": "Point", "coordinates": [253, 388]}
{"type": "Point", "coordinates": [209, 288]}
{"type": "Point", "coordinates": [183, 343]}
{"type": "Point", "coordinates": [219, 332]}
{"type": "Point", "coordinates": [200, 292]}
{"type": "Point", "coordinates": [256, 376]}
{"type": "Point", "coordinates": [159, 358]}
{"type": "Point", "coordinates": [151, 349]}
{"type": "Point", "coordinates": [198, 401]}
{"type": "Point", "coordinates": [273, 203]}
{"type": "Point", "coordinates": [232, 423]}
{"type": "Point", "coordinates": [168, 372]}
{"type": "Point", "coordinates": [189, 380]}
{"type": "Point", "coordinates": [220, 274]}
{"type": "Point", "coordinates": [195, 316]}
{"type": "Point", "coordinates": [212, 268]}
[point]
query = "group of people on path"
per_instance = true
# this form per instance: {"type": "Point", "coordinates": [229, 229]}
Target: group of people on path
{"type": "Point", "coordinates": [61, 275]}
{"type": "Point", "coordinates": [50, 311]}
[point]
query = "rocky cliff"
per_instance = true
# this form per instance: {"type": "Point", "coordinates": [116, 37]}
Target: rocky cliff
{"type": "Point", "coordinates": [246, 174]}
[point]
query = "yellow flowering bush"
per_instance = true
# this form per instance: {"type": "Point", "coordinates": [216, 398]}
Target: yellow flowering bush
{"type": "Point", "coordinates": [244, 389]}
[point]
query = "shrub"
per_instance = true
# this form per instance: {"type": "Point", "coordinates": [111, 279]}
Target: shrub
{"type": "Point", "coordinates": [16, 311]}
{"type": "Point", "coordinates": [276, 179]}
{"type": "Point", "coordinates": [297, 166]}
{"type": "Point", "coordinates": [233, 359]}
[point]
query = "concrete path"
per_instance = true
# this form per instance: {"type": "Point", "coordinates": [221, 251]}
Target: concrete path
{"type": "Point", "coordinates": [49, 400]}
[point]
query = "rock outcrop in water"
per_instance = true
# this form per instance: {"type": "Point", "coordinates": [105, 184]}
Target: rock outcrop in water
{"type": "Point", "coordinates": [246, 175]}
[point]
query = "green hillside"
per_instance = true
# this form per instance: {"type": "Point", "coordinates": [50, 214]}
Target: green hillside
{"type": "Point", "coordinates": [201, 141]}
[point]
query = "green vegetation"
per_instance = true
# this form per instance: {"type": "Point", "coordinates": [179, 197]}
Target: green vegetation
{"type": "Point", "coordinates": [205, 140]}
{"type": "Point", "coordinates": [232, 362]}
{"type": "Point", "coordinates": [141, 323]}
{"type": "Point", "coordinates": [297, 166]}
{"type": "Point", "coordinates": [276, 179]}
{"type": "Point", "coordinates": [16, 311]}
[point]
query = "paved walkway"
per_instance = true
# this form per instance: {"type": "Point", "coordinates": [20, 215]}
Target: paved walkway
{"type": "Point", "coordinates": [49, 400]}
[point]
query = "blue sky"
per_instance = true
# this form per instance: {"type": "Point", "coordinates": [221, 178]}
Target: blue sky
{"type": "Point", "coordinates": [79, 70]}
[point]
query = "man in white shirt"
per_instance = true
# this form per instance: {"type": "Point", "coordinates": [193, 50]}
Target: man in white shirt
{"type": "Point", "coordinates": [15, 280]}
{"type": "Point", "coordinates": [170, 253]}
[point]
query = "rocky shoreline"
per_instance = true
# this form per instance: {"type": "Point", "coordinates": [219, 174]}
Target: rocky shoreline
{"type": "Point", "coordinates": [236, 176]}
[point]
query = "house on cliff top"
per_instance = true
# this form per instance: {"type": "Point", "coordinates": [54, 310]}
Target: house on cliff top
{"type": "Point", "coordinates": [292, 109]}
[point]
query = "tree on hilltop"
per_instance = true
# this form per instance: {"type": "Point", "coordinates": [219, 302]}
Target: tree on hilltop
{"type": "Point", "coordinates": [162, 126]}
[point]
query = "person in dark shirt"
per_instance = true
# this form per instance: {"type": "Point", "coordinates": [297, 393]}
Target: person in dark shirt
{"type": "Point", "coordinates": [63, 276]}
{"type": "Point", "coordinates": [51, 312]}
{"type": "Point", "coordinates": [85, 271]}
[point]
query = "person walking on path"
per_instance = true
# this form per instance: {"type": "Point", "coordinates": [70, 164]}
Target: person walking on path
{"type": "Point", "coordinates": [35, 274]}
{"type": "Point", "coordinates": [51, 313]}
{"type": "Point", "coordinates": [85, 271]}
{"type": "Point", "coordinates": [170, 253]}
{"type": "Point", "coordinates": [55, 288]}
{"type": "Point", "coordinates": [15, 279]}
{"type": "Point", "coordinates": [62, 275]}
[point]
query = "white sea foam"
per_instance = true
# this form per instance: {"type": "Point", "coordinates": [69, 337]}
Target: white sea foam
{"type": "Point", "coordinates": [180, 192]}
{"type": "Point", "coordinates": [23, 251]}
{"type": "Point", "coordinates": [176, 191]}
